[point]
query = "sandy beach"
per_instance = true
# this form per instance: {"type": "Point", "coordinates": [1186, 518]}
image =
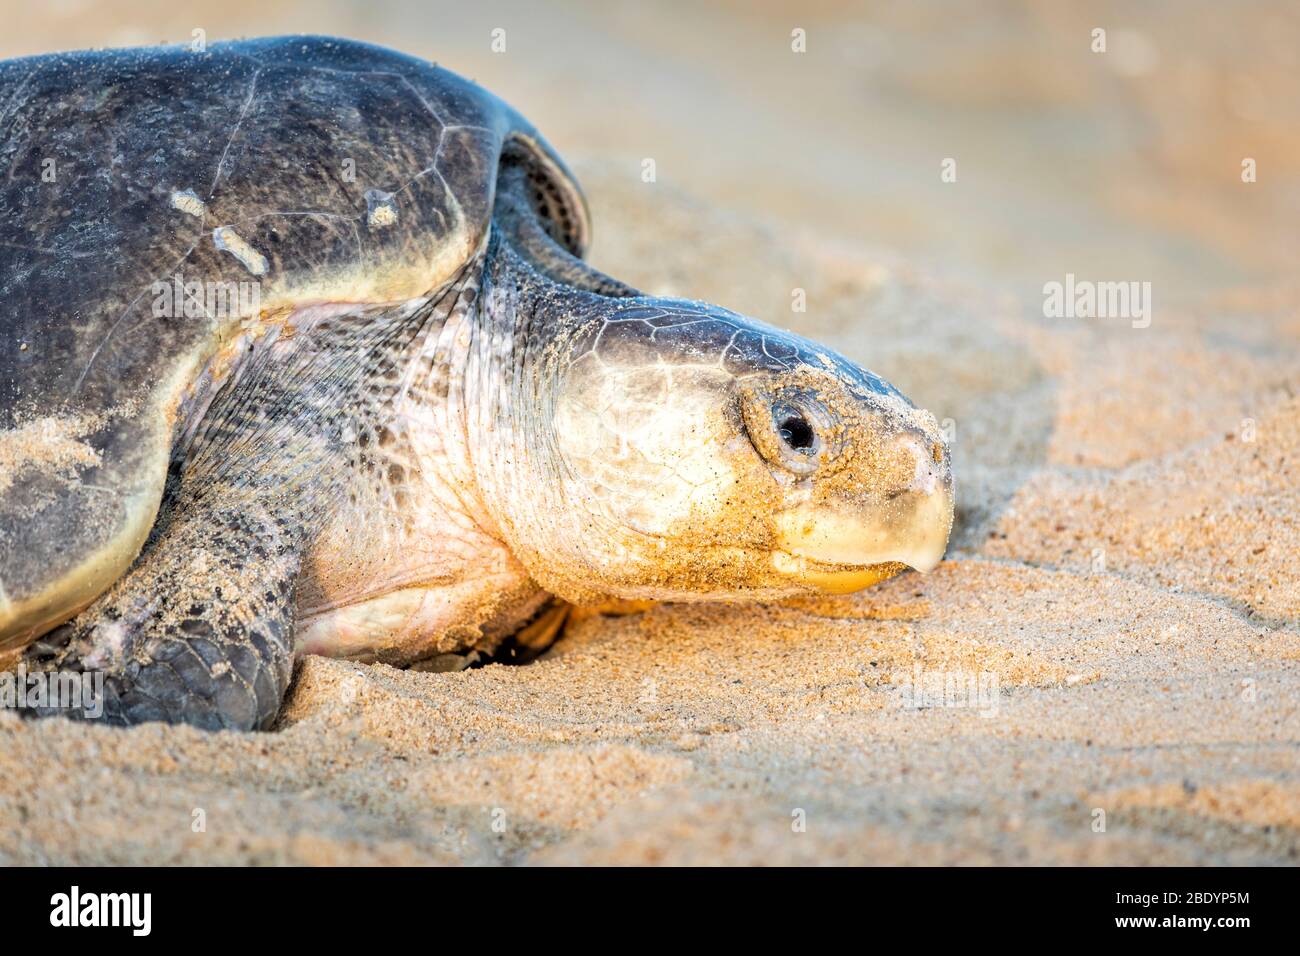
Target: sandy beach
{"type": "Point", "coordinates": [1106, 667]}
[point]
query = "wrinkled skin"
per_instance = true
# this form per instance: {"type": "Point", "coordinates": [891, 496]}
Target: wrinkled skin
{"type": "Point", "coordinates": [405, 480]}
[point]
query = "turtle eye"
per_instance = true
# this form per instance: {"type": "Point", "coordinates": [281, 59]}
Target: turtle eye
{"type": "Point", "coordinates": [792, 429]}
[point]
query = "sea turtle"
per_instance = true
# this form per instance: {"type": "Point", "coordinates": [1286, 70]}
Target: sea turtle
{"type": "Point", "coordinates": [299, 354]}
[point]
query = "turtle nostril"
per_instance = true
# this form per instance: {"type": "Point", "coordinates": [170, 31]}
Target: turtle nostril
{"type": "Point", "coordinates": [920, 471]}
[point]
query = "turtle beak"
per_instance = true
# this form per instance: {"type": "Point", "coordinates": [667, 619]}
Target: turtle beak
{"type": "Point", "coordinates": [846, 545]}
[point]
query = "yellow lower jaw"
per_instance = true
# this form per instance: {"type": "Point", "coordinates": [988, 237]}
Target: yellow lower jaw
{"type": "Point", "coordinates": [913, 532]}
{"type": "Point", "coordinates": [831, 580]}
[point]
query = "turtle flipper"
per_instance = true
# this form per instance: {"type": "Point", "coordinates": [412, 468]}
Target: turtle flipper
{"type": "Point", "coordinates": [199, 632]}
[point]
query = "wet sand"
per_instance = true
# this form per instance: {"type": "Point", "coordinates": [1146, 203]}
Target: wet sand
{"type": "Point", "coordinates": [1106, 670]}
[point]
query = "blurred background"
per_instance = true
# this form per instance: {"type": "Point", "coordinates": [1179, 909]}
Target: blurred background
{"type": "Point", "coordinates": [1117, 165]}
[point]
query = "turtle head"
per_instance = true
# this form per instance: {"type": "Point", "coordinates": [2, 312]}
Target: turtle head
{"type": "Point", "coordinates": [670, 449]}
{"type": "Point", "coordinates": [692, 453]}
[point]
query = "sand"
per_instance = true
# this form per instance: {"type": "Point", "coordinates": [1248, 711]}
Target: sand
{"type": "Point", "coordinates": [1118, 641]}
{"type": "Point", "coordinates": [1105, 670]}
